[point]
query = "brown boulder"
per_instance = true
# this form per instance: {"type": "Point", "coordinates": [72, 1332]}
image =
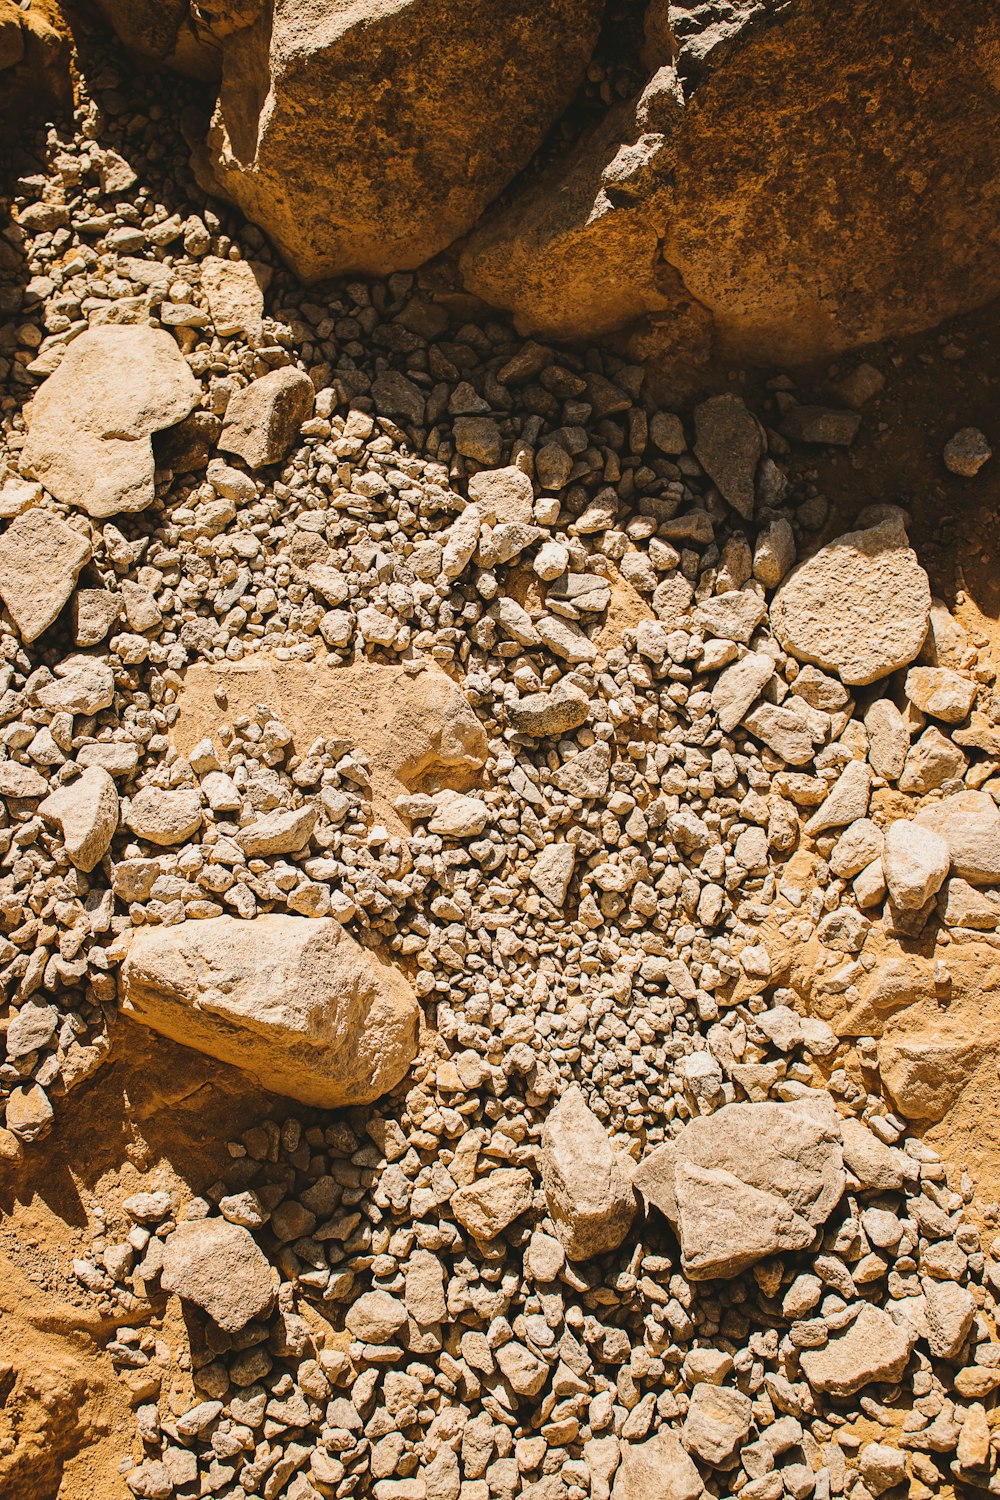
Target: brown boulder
{"type": "Point", "coordinates": [810, 193]}
{"type": "Point", "coordinates": [368, 135]}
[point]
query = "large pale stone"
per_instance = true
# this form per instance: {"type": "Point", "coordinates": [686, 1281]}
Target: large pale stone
{"type": "Point", "coordinates": [367, 135]}
{"type": "Point", "coordinates": [91, 422]}
{"type": "Point", "coordinates": [924, 1075]}
{"type": "Point", "coordinates": [40, 561]}
{"type": "Point", "coordinates": [292, 1000]}
{"type": "Point", "coordinates": [858, 608]}
{"type": "Point", "coordinates": [658, 1469]}
{"type": "Point", "coordinates": [915, 861]}
{"type": "Point", "coordinates": [234, 289]}
{"type": "Point", "coordinates": [747, 1181]}
{"type": "Point", "coordinates": [588, 1184]}
{"type": "Point", "coordinates": [874, 1347]}
{"type": "Point", "coordinates": [220, 1268]}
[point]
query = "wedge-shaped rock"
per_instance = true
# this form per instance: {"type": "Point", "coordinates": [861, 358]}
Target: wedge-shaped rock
{"type": "Point", "coordinates": [969, 823]}
{"type": "Point", "coordinates": [858, 608]}
{"type": "Point", "coordinates": [91, 422]}
{"type": "Point", "coordinates": [86, 810]}
{"type": "Point", "coordinates": [263, 419]}
{"type": "Point", "coordinates": [588, 1184]}
{"type": "Point", "coordinates": [294, 1001]}
{"type": "Point", "coordinates": [747, 1181]}
{"type": "Point", "coordinates": [220, 1268]}
{"type": "Point", "coordinates": [40, 561]}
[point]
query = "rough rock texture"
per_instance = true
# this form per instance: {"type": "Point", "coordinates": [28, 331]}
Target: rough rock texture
{"type": "Point", "coordinates": [40, 560]}
{"type": "Point", "coordinates": [718, 206]}
{"type": "Point", "coordinates": [87, 812]}
{"type": "Point", "coordinates": [220, 1267]}
{"type": "Point", "coordinates": [263, 419]}
{"type": "Point", "coordinates": [588, 1185]}
{"type": "Point", "coordinates": [658, 1469]}
{"type": "Point", "coordinates": [872, 1348]}
{"type": "Point", "coordinates": [91, 422]}
{"type": "Point", "coordinates": [418, 113]}
{"type": "Point", "coordinates": [298, 1003]}
{"type": "Point", "coordinates": [747, 1181]}
{"type": "Point", "coordinates": [858, 608]}
{"type": "Point", "coordinates": [969, 823]}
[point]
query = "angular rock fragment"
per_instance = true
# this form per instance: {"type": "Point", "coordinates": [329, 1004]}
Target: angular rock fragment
{"type": "Point", "coordinates": [924, 1075]}
{"type": "Point", "coordinates": [165, 817]}
{"type": "Point", "coordinates": [221, 1269]}
{"type": "Point", "coordinates": [729, 444]}
{"type": "Point", "coordinates": [294, 1001]}
{"type": "Point", "coordinates": [858, 608]}
{"type": "Point", "coordinates": [552, 872]}
{"type": "Point", "coordinates": [40, 560]}
{"type": "Point", "coordinates": [821, 424]}
{"type": "Point", "coordinates": [915, 861]}
{"type": "Point", "coordinates": [587, 1183]}
{"type": "Point", "coordinates": [941, 693]}
{"type": "Point", "coordinates": [86, 811]}
{"type": "Point", "coordinates": [263, 419]}
{"type": "Point", "coordinates": [717, 1424]}
{"type": "Point", "coordinates": [874, 1347]}
{"type": "Point", "coordinates": [658, 1467]}
{"type": "Point", "coordinates": [92, 421]}
{"type": "Point", "coordinates": [235, 296]}
{"type": "Point", "coordinates": [566, 707]}
{"type": "Point", "coordinates": [747, 1181]}
{"type": "Point", "coordinates": [969, 823]}
{"type": "Point", "coordinates": [489, 1204]}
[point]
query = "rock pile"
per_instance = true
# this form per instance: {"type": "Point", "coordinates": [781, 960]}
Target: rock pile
{"type": "Point", "coordinates": [665, 785]}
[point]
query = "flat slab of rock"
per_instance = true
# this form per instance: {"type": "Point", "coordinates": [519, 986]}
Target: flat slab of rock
{"type": "Point", "coordinates": [263, 419]}
{"type": "Point", "coordinates": [235, 295]}
{"type": "Point", "coordinates": [747, 1181]}
{"type": "Point", "coordinates": [413, 724]}
{"type": "Point", "coordinates": [872, 1348]}
{"type": "Point", "coordinates": [221, 1269]}
{"type": "Point", "coordinates": [485, 1207]}
{"type": "Point", "coordinates": [292, 1000]}
{"type": "Point", "coordinates": [588, 1184]}
{"type": "Point", "coordinates": [858, 608]}
{"type": "Point", "coordinates": [916, 861]}
{"type": "Point", "coordinates": [40, 560]}
{"type": "Point", "coordinates": [657, 1468]}
{"type": "Point", "coordinates": [92, 420]}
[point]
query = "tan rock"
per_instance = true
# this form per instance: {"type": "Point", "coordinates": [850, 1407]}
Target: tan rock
{"type": "Point", "coordinates": [874, 1347]}
{"type": "Point", "coordinates": [470, 91]}
{"type": "Point", "coordinates": [969, 823]}
{"type": "Point", "coordinates": [658, 1469]}
{"type": "Point", "coordinates": [86, 811]}
{"type": "Point", "coordinates": [709, 214]}
{"type": "Point", "coordinates": [729, 444]}
{"type": "Point", "coordinates": [747, 1181]}
{"type": "Point", "coordinates": [292, 1000]}
{"type": "Point", "coordinates": [414, 724]}
{"type": "Point", "coordinates": [717, 1424]}
{"type": "Point", "coordinates": [485, 1207]}
{"type": "Point", "coordinates": [91, 422]}
{"type": "Point", "coordinates": [588, 1184]}
{"type": "Point", "coordinates": [941, 693]}
{"type": "Point", "coordinates": [503, 495]}
{"type": "Point", "coordinates": [165, 817]}
{"type": "Point", "coordinates": [858, 608]}
{"type": "Point", "coordinates": [263, 419]}
{"type": "Point", "coordinates": [235, 292]}
{"type": "Point", "coordinates": [930, 762]}
{"type": "Point", "coordinates": [40, 560]}
{"type": "Point", "coordinates": [924, 1075]}
{"type": "Point", "coordinates": [915, 860]}
{"type": "Point", "coordinates": [221, 1269]}
{"type": "Point", "coordinates": [888, 739]}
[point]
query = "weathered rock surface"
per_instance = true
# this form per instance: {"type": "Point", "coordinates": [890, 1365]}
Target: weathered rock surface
{"type": "Point", "coordinates": [40, 560]}
{"type": "Point", "coordinates": [673, 205]}
{"type": "Point", "coordinates": [924, 1075]}
{"type": "Point", "coordinates": [263, 419]}
{"type": "Point", "coordinates": [221, 1269]}
{"type": "Point", "coordinates": [86, 811]}
{"type": "Point", "coordinates": [658, 1469]}
{"type": "Point", "coordinates": [873, 1348]}
{"type": "Point", "coordinates": [489, 1204]}
{"type": "Point", "coordinates": [747, 1181]}
{"type": "Point", "coordinates": [588, 1184]}
{"type": "Point", "coordinates": [915, 861]}
{"type": "Point", "coordinates": [296, 1002]}
{"type": "Point", "coordinates": [969, 823]}
{"type": "Point", "coordinates": [435, 109]}
{"type": "Point", "coordinates": [91, 422]}
{"type": "Point", "coordinates": [858, 608]}
{"type": "Point", "coordinates": [729, 444]}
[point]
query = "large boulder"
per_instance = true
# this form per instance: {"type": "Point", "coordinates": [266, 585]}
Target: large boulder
{"type": "Point", "coordinates": [775, 190]}
{"type": "Point", "coordinates": [294, 1001]}
{"type": "Point", "coordinates": [367, 135]}
{"type": "Point", "coordinates": [747, 1182]}
{"type": "Point", "coordinates": [91, 423]}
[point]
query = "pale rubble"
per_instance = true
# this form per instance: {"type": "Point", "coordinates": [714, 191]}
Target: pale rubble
{"type": "Point", "coordinates": [41, 558]}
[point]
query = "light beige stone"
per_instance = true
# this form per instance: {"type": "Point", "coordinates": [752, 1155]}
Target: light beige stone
{"type": "Point", "coordinates": [86, 811]}
{"type": "Point", "coordinates": [969, 823]}
{"type": "Point", "coordinates": [262, 420]}
{"type": "Point", "coordinates": [235, 292]}
{"type": "Point", "coordinates": [874, 1347]}
{"type": "Point", "coordinates": [587, 1183]}
{"type": "Point", "coordinates": [485, 1207]}
{"type": "Point", "coordinates": [915, 860]}
{"type": "Point", "coordinates": [292, 1000]}
{"type": "Point", "coordinates": [221, 1269]}
{"type": "Point", "coordinates": [941, 693]}
{"type": "Point", "coordinates": [40, 560]}
{"type": "Point", "coordinates": [658, 1469]}
{"type": "Point", "coordinates": [858, 608]}
{"type": "Point", "coordinates": [90, 422]}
